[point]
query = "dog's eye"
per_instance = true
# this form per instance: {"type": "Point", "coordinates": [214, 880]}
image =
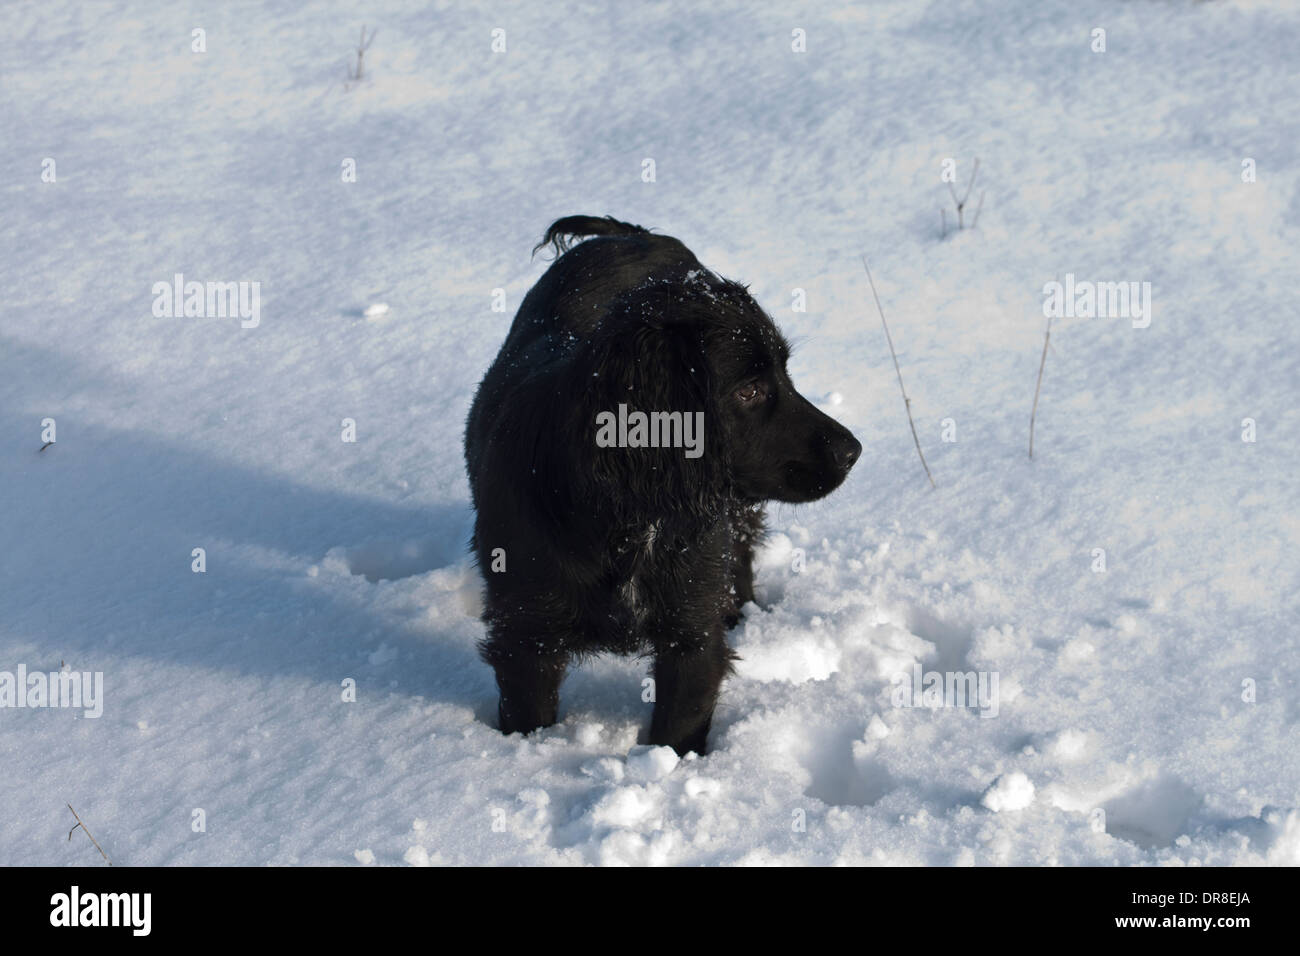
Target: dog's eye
{"type": "Point", "coordinates": [753, 392]}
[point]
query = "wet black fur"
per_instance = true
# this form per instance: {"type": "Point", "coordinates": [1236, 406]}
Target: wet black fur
{"type": "Point", "coordinates": [632, 550]}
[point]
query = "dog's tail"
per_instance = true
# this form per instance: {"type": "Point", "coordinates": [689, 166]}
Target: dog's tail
{"type": "Point", "coordinates": [563, 231]}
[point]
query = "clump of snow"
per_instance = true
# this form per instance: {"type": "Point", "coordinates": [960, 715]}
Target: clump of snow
{"type": "Point", "coordinates": [623, 807]}
{"type": "Point", "coordinates": [605, 769]}
{"type": "Point", "coordinates": [588, 733]}
{"type": "Point", "coordinates": [701, 787]}
{"type": "Point", "coordinates": [417, 856]}
{"type": "Point", "coordinates": [877, 729]}
{"type": "Point", "coordinates": [771, 652]}
{"type": "Point", "coordinates": [1285, 827]}
{"type": "Point", "coordinates": [646, 764]}
{"type": "Point", "coordinates": [1012, 791]}
{"type": "Point", "coordinates": [1070, 745]}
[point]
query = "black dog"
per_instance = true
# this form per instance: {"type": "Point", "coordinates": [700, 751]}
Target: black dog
{"type": "Point", "coordinates": [601, 529]}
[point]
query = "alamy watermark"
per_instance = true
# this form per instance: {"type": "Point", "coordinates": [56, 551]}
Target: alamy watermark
{"type": "Point", "coordinates": [82, 690]}
{"type": "Point", "coordinates": [651, 430]}
{"type": "Point", "coordinates": [1102, 300]}
{"type": "Point", "coordinates": [129, 910]}
{"type": "Point", "coordinates": [935, 689]}
{"type": "Point", "coordinates": [208, 300]}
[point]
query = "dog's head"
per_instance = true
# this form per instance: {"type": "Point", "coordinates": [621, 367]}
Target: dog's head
{"type": "Point", "coordinates": [780, 446]}
{"type": "Point", "coordinates": [685, 340]}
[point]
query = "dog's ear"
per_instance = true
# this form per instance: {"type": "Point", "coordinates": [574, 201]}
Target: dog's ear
{"type": "Point", "coordinates": [651, 423]}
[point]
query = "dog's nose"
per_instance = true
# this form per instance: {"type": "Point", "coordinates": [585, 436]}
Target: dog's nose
{"type": "Point", "coordinates": [845, 451]}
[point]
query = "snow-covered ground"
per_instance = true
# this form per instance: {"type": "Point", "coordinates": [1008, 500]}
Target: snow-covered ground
{"type": "Point", "coordinates": [1162, 692]}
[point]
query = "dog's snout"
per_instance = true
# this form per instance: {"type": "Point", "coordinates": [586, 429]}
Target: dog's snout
{"type": "Point", "coordinates": [845, 450]}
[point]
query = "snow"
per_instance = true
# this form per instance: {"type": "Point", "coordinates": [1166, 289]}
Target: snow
{"type": "Point", "coordinates": [1147, 713]}
{"type": "Point", "coordinates": [1013, 791]}
{"type": "Point", "coordinates": [649, 764]}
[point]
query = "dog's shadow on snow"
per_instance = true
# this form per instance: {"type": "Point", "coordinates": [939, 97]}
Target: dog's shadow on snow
{"type": "Point", "coordinates": [99, 530]}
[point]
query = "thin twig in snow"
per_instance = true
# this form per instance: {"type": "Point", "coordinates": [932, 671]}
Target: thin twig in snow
{"type": "Point", "coordinates": [362, 46]}
{"type": "Point", "coordinates": [961, 203]}
{"type": "Point", "coordinates": [1037, 388]}
{"type": "Point", "coordinates": [907, 402]}
{"type": "Point", "coordinates": [87, 832]}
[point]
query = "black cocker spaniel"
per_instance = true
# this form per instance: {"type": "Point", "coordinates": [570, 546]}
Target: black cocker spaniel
{"type": "Point", "coordinates": [620, 450]}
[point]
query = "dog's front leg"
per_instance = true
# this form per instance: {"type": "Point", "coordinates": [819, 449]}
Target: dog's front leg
{"type": "Point", "coordinates": [688, 677]}
{"type": "Point", "coordinates": [746, 532]}
{"type": "Point", "coordinates": [529, 681]}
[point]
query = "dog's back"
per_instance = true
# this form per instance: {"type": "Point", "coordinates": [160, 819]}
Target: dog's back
{"type": "Point", "coordinates": [613, 258]}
